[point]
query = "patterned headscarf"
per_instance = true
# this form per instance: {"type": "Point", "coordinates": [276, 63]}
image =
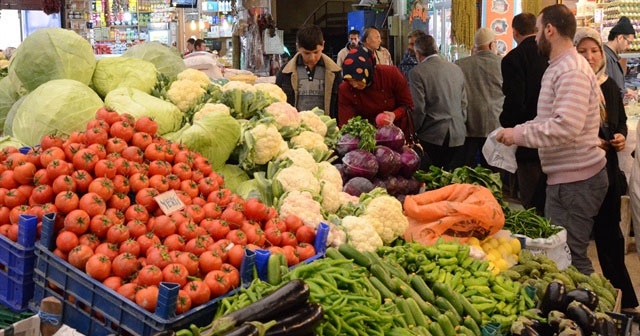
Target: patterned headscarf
{"type": "Point", "coordinates": [358, 66]}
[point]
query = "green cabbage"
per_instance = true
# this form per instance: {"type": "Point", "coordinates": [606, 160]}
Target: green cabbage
{"type": "Point", "coordinates": [51, 53]}
{"type": "Point", "coordinates": [7, 128]}
{"type": "Point", "coordinates": [168, 61]}
{"type": "Point", "coordinates": [215, 136]}
{"type": "Point", "coordinates": [233, 176]}
{"type": "Point", "coordinates": [116, 72]}
{"type": "Point", "coordinates": [7, 141]}
{"type": "Point", "coordinates": [138, 104]}
{"type": "Point", "coordinates": [8, 96]}
{"type": "Point", "coordinates": [58, 106]}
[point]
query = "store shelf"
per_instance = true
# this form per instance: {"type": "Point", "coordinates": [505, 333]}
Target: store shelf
{"type": "Point", "coordinates": [630, 55]}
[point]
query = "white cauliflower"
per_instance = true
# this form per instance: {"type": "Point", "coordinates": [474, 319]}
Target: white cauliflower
{"type": "Point", "coordinates": [302, 158]}
{"type": "Point", "coordinates": [385, 214]}
{"type": "Point", "coordinates": [185, 93]}
{"type": "Point", "coordinates": [331, 198]}
{"type": "Point", "coordinates": [272, 90]}
{"type": "Point", "coordinates": [296, 178]}
{"type": "Point", "coordinates": [309, 141]}
{"type": "Point", "coordinates": [242, 86]}
{"type": "Point", "coordinates": [361, 235]}
{"type": "Point", "coordinates": [313, 121]}
{"type": "Point", "coordinates": [301, 204]}
{"type": "Point", "coordinates": [196, 76]}
{"type": "Point", "coordinates": [336, 236]}
{"type": "Point", "coordinates": [329, 173]}
{"type": "Point", "coordinates": [212, 108]}
{"type": "Point", "coordinates": [267, 143]}
{"type": "Point", "coordinates": [285, 115]}
{"type": "Point", "coordinates": [346, 198]}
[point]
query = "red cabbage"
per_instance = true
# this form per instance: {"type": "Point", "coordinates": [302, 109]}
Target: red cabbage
{"type": "Point", "coordinates": [410, 161]}
{"type": "Point", "coordinates": [360, 163]}
{"type": "Point", "coordinates": [346, 143]}
{"type": "Point", "coordinates": [388, 161]}
{"type": "Point", "coordinates": [357, 186]}
{"type": "Point", "coordinates": [343, 174]}
{"type": "Point", "coordinates": [390, 136]}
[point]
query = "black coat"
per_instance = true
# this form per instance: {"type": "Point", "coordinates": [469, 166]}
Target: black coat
{"type": "Point", "coordinates": [522, 71]}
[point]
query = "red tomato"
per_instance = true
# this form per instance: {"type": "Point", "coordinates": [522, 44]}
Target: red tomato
{"type": "Point", "coordinates": [217, 283]}
{"type": "Point", "coordinates": [98, 266]}
{"type": "Point", "coordinates": [66, 201]}
{"type": "Point", "coordinates": [159, 182]}
{"type": "Point", "coordinates": [105, 168]}
{"type": "Point", "coordinates": [82, 179]}
{"type": "Point", "coordinates": [128, 290]}
{"type": "Point", "coordinates": [145, 197]}
{"type": "Point", "coordinates": [254, 209]}
{"type": "Point", "coordinates": [306, 234]}
{"type": "Point", "coordinates": [41, 194]}
{"type": "Point", "coordinates": [198, 291]}
{"type": "Point", "coordinates": [7, 181]}
{"type": "Point", "coordinates": [40, 177]}
{"type": "Point", "coordinates": [115, 145]}
{"type": "Point", "coordinates": [70, 149]}
{"type": "Point", "coordinates": [117, 234]}
{"type": "Point", "coordinates": [159, 167]}
{"type": "Point", "coordinates": [64, 183]}
{"type": "Point", "coordinates": [233, 275]}
{"type": "Point", "coordinates": [273, 236]}
{"type": "Point", "coordinates": [190, 261]}
{"type": "Point", "coordinates": [16, 212]}
{"type": "Point", "coordinates": [96, 135]}
{"type": "Point", "coordinates": [119, 201]}
{"type": "Point", "coordinates": [305, 251]}
{"type": "Point", "coordinates": [136, 211]}
{"type": "Point", "coordinates": [174, 182]}
{"type": "Point", "coordinates": [141, 140]}
{"type": "Point", "coordinates": [121, 184]}
{"type": "Point", "coordinates": [175, 242]}
{"type": "Point", "coordinates": [291, 254]}
{"type": "Point", "coordinates": [4, 215]}
{"type": "Point", "coordinates": [66, 241]}
{"type": "Point", "coordinates": [237, 237]}
{"type": "Point", "coordinates": [136, 228]}
{"type": "Point", "coordinates": [209, 261]}
{"type": "Point", "coordinates": [85, 159]}
{"type": "Point", "coordinates": [256, 236]}
{"type": "Point", "coordinates": [195, 212]}
{"type": "Point", "coordinates": [146, 125]}
{"type": "Point", "coordinates": [124, 265]}
{"type": "Point", "coordinates": [103, 187]}
{"type": "Point", "coordinates": [51, 140]}
{"type": "Point", "coordinates": [233, 215]}
{"type": "Point", "coordinates": [196, 245]}
{"type": "Point", "coordinates": [122, 129]}
{"type": "Point", "coordinates": [158, 257]}
{"type": "Point", "coordinates": [184, 302]}
{"type": "Point", "coordinates": [147, 240]}
{"type": "Point", "coordinates": [154, 152]}
{"type": "Point", "coordinates": [107, 114]}
{"type": "Point", "coordinates": [202, 164]}
{"type": "Point", "coordinates": [109, 250]}
{"type": "Point", "coordinates": [235, 256]}
{"type": "Point", "coordinates": [133, 154]}
{"type": "Point", "coordinates": [164, 226]}
{"type": "Point", "coordinates": [131, 246]}
{"type": "Point", "coordinates": [77, 221]}
{"type": "Point", "coordinates": [217, 228]}
{"type": "Point", "coordinates": [79, 255]}
{"type": "Point", "coordinates": [99, 149]}
{"type": "Point", "coordinates": [15, 159]}
{"type": "Point", "coordinates": [221, 197]}
{"type": "Point", "coordinates": [113, 282]}
{"type": "Point", "coordinates": [289, 238]}
{"type": "Point", "coordinates": [176, 273]}
{"type": "Point", "coordinates": [51, 154]}
{"type": "Point", "coordinates": [23, 172]}
{"type": "Point", "coordinates": [293, 222]}
{"type": "Point", "coordinates": [90, 240]}
{"type": "Point", "coordinates": [150, 275]}
{"type": "Point", "coordinates": [115, 215]}
{"type": "Point", "coordinates": [276, 223]}
{"type": "Point", "coordinates": [147, 298]}
{"type": "Point", "coordinates": [93, 204]}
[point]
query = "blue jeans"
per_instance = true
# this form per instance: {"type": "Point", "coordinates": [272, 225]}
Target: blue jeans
{"type": "Point", "coordinates": [573, 206]}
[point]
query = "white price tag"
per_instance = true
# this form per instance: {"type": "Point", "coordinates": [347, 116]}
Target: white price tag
{"type": "Point", "coordinates": [169, 202]}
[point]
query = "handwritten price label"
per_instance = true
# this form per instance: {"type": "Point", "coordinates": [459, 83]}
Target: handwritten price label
{"type": "Point", "coordinates": [169, 202]}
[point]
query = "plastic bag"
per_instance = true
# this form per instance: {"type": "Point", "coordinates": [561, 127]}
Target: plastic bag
{"type": "Point", "coordinates": [499, 155]}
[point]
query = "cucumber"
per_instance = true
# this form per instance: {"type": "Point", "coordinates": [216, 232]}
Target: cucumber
{"type": "Point", "coordinates": [379, 272]}
{"type": "Point", "coordinates": [471, 324]}
{"type": "Point", "coordinates": [351, 253]}
{"type": "Point", "coordinates": [453, 317]}
{"type": "Point", "coordinates": [444, 305]}
{"type": "Point", "coordinates": [466, 331]}
{"type": "Point", "coordinates": [385, 292]}
{"type": "Point", "coordinates": [404, 309]}
{"type": "Point", "coordinates": [274, 276]}
{"type": "Point", "coordinates": [469, 308]}
{"type": "Point", "coordinates": [446, 292]}
{"type": "Point", "coordinates": [421, 287]}
{"type": "Point", "coordinates": [394, 269]}
{"type": "Point", "coordinates": [436, 330]}
{"type": "Point", "coordinates": [333, 253]}
{"type": "Point", "coordinates": [418, 316]}
{"type": "Point", "coordinates": [446, 325]}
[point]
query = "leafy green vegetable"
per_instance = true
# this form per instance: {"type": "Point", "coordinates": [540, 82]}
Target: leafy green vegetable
{"type": "Point", "coordinates": [529, 223]}
{"type": "Point", "coordinates": [363, 130]}
{"type": "Point", "coordinates": [7, 128]}
{"type": "Point", "coordinates": [437, 178]}
{"type": "Point", "coordinates": [138, 104]}
{"type": "Point", "coordinates": [51, 53]}
{"type": "Point", "coordinates": [61, 105]}
{"type": "Point", "coordinates": [233, 176]}
{"type": "Point", "coordinates": [116, 72]}
{"type": "Point", "coordinates": [167, 60]}
{"type": "Point", "coordinates": [7, 141]}
{"type": "Point", "coordinates": [215, 136]}
{"type": "Point", "coordinates": [8, 96]}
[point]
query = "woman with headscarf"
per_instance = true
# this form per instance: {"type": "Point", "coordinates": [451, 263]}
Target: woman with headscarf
{"type": "Point", "coordinates": [369, 90]}
{"type": "Point", "coordinates": [613, 130]}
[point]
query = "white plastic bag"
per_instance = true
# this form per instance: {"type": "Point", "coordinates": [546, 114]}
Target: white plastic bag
{"type": "Point", "coordinates": [499, 155]}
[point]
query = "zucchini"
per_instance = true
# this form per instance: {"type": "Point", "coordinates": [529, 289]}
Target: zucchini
{"type": "Point", "coordinates": [385, 292]}
{"type": "Point", "coordinates": [351, 253]}
{"type": "Point", "coordinates": [289, 296]}
{"type": "Point", "coordinates": [446, 325]}
{"type": "Point", "coordinates": [379, 272]}
{"type": "Point", "coordinates": [466, 331]}
{"type": "Point", "coordinates": [436, 330]}
{"type": "Point", "coordinates": [418, 316]}
{"type": "Point", "coordinates": [333, 253]}
{"type": "Point", "coordinates": [443, 290]}
{"type": "Point", "coordinates": [274, 276]}
{"type": "Point", "coordinates": [471, 324]}
{"type": "Point", "coordinates": [406, 291]}
{"type": "Point", "coordinates": [469, 308]}
{"type": "Point", "coordinates": [421, 288]}
{"type": "Point", "coordinates": [404, 309]}
{"type": "Point", "coordinates": [444, 305]}
{"type": "Point", "coordinates": [302, 322]}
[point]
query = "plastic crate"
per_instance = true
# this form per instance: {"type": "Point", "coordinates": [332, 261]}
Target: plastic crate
{"type": "Point", "coordinates": [17, 262]}
{"type": "Point", "coordinates": [623, 323]}
{"type": "Point", "coordinates": [94, 309]}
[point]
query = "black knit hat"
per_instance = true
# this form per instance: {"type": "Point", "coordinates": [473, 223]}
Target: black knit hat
{"type": "Point", "coordinates": [623, 27]}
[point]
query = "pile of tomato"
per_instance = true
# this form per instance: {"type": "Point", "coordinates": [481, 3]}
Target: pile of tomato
{"type": "Point", "coordinates": [101, 183]}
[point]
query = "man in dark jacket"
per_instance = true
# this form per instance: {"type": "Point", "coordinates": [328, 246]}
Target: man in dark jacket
{"type": "Point", "coordinates": [311, 78]}
{"type": "Point", "coordinates": [522, 71]}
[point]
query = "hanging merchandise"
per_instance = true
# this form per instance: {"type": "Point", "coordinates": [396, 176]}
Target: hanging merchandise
{"type": "Point", "coordinates": [51, 6]}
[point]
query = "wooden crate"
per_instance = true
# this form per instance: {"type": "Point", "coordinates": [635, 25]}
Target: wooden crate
{"type": "Point", "coordinates": [617, 307]}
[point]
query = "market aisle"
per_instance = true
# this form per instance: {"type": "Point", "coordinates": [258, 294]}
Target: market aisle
{"type": "Point", "coordinates": [633, 266]}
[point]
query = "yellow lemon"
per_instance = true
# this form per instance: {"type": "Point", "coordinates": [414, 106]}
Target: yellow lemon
{"type": "Point", "coordinates": [495, 253]}
{"type": "Point", "coordinates": [505, 249]}
{"type": "Point", "coordinates": [503, 240]}
{"type": "Point", "coordinates": [501, 264]}
{"type": "Point", "coordinates": [473, 241]}
{"type": "Point", "coordinates": [515, 245]}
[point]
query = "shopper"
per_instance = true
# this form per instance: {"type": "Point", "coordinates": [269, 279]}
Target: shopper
{"type": "Point", "coordinates": [409, 59]}
{"type": "Point", "coordinates": [483, 84]}
{"type": "Point", "coordinates": [354, 42]}
{"type": "Point", "coordinates": [369, 90]}
{"type": "Point", "coordinates": [613, 130]}
{"type": "Point", "coordinates": [310, 79]}
{"type": "Point", "coordinates": [566, 132]}
{"type": "Point", "coordinates": [522, 70]}
{"type": "Point", "coordinates": [440, 101]}
{"type": "Point", "coordinates": [200, 45]}
{"type": "Point", "coordinates": [619, 40]}
{"type": "Point", "coordinates": [372, 41]}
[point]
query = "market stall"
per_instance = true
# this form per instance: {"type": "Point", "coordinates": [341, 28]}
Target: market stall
{"type": "Point", "coordinates": [145, 198]}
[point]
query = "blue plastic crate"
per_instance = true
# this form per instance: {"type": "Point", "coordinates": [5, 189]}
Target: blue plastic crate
{"type": "Point", "coordinates": [94, 309]}
{"type": "Point", "coordinates": [17, 262]}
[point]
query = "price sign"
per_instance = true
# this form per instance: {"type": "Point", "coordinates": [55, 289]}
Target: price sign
{"type": "Point", "coordinates": [169, 202]}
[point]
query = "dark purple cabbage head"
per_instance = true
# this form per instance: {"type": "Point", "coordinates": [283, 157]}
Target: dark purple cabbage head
{"type": "Point", "coordinates": [346, 143]}
{"type": "Point", "coordinates": [388, 161]}
{"type": "Point", "coordinates": [409, 162]}
{"type": "Point", "coordinates": [360, 163]}
{"type": "Point", "coordinates": [357, 186]}
{"type": "Point", "coordinates": [390, 136]}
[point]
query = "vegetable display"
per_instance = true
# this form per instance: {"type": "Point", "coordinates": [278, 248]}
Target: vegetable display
{"type": "Point", "coordinates": [529, 223]}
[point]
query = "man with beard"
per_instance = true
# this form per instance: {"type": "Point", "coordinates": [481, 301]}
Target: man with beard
{"type": "Point", "coordinates": [354, 42]}
{"type": "Point", "coordinates": [619, 40]}
{"type": "Point", "coordinates": [566, 133]}
{"type": "Point", "coordinates": [522, 70]}
{"type": "Point", "coordinates": [409, 60]}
